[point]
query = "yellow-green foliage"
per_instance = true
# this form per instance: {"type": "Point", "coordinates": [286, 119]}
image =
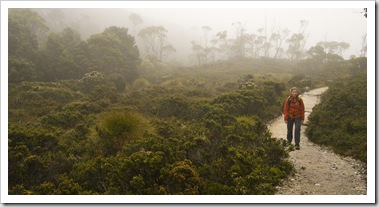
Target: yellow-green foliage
{"type": "Point", "coordinates": [117, 128]}
{"type": "Point", "coordinates": [146, 65]}
{"type": "Point", "coordinates": [183, 178]}
{"type": "Point", "coordinates": [141, 83]}
{"type": "Point", "coordinates": [174, 83]}
{"type": "Point", "coordinates": [246, 119]}
{"type": "Point", "coordinates": [124, 124]}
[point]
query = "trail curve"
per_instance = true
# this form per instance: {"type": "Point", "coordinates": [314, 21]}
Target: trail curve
{"type": "Point", "coordinates": [318, 171]}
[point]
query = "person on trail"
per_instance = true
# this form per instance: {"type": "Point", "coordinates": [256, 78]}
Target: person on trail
{"type": "Point", "coordinates": [294, 114]}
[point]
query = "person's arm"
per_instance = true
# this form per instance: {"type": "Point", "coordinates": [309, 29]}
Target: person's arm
{"type": "Point", "coordinates": [302, 111]}
{"type": "Point", "coordinates": [285, 110]}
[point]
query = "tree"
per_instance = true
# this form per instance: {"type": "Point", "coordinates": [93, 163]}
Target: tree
{"type": "Point", "coordinates": [198, 51]}
{"type": "Point", "coordinates": [113, 51]}
{"type": "Point", "coordinates": [277, 38]}
{"type": "Point", "coordinates": [317, 52]}
{"type": "Point", "coordinates": [241, 40]}
{"type": "Point", "coordinates": [136, 20]}
{"type": "Point", "coordinates": [154, 38]}
{"type": "Point", "coordinates": [25, 29]}
{"type": "Point", "coordinates": [333, 47]}
{"type": "Point", "coordinates": [167, 50]}
{"type": "Point", "coordinates": [128, 47]}
{"type": "Point", "coordinates": [206, 30]}
{"type": "Point", "coordinates": [264, 42]}
{"type": "Point", "coordinates": [223, 43]}
{"type": "Point", "coordinates": [258, 44]}
{"type": "Point", "coordinates": [297, 42]}
{"type": "Point", "coordinates": [214, 49]}
{"type": "Point", "coordinates": [363, 52]}
{"type": "Point", "coordinates": [342, 47]}
{"type": "Point", "coordinates": [55, 18]}
{"type": "Point", "coordinates": [62, 57]}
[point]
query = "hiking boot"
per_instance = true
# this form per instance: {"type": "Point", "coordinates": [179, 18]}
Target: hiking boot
{"type": "Point", "coordinates": [297, 147]}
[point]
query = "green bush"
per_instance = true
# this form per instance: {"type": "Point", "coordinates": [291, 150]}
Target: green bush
{"type": "Point", "coordinates": [175, 83]}
{"type": "Point", "coordinates": [141, 83]}
{"type": "Point", "coordinates": [119, 81]}
{"type": "Point", "coordinates": [117, 128]}
{"type": "Point", "coordinates": [340, 120]}
{"type": "Point", "coordinates": [20, 69]}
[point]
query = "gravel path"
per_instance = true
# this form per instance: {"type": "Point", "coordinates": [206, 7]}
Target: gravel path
{"type": "Point", "coordinates": [319, 171]}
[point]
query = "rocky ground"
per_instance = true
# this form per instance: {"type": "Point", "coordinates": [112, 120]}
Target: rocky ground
{"type": "Point", "coordinates": [319, 171]}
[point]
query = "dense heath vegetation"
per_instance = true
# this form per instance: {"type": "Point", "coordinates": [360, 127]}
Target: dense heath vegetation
{"type": "Point", "coordinates": [93, 117]}
{"type": "Point", "coordinates": [340, 121]}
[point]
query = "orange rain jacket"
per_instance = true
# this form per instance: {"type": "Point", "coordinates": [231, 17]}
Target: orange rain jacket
{"type": "Point", "coordinates": [294, 108]}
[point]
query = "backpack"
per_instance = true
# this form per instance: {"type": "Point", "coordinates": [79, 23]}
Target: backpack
{"type": "Point", "coordinates": [288, 101]}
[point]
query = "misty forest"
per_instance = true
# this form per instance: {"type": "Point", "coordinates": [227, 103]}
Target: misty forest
{"type": "Point", "coordinates": [113, 110]}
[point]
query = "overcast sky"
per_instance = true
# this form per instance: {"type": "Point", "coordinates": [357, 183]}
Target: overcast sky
{"type": "Point", "coordinates": [337, 24]}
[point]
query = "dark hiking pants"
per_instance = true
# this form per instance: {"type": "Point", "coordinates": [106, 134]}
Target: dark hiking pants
{"type": "Point", "coordinates": [290, 122]}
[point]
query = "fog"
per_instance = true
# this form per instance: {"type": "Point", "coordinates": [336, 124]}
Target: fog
{"type": "Point", "coordinates": [185, 25]}
{"type": "Point", "coordinates": [341, 25]}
